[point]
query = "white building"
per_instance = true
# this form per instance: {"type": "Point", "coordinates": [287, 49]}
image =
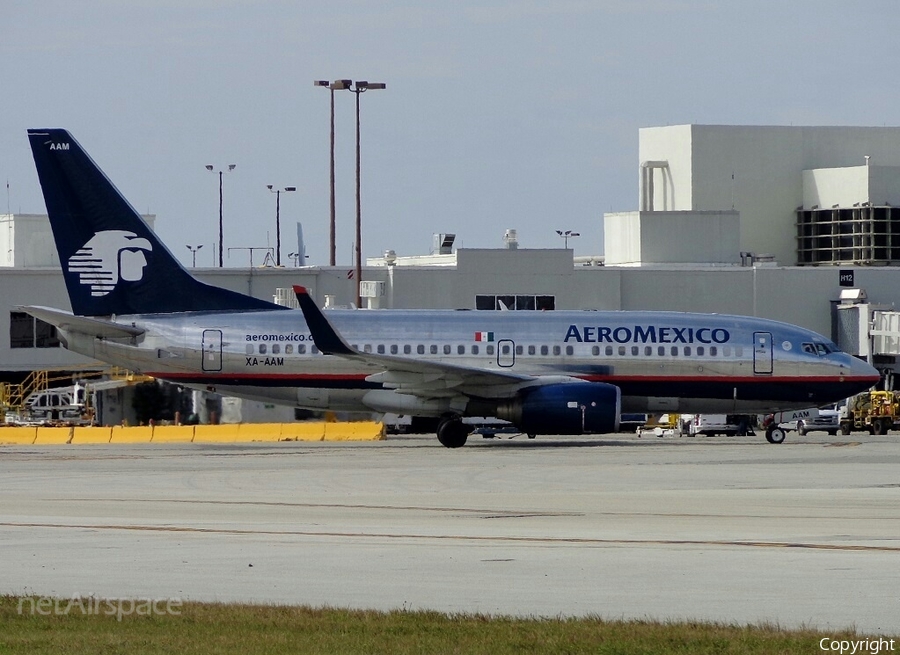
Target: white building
{"type": "Point", "coordinates": [772, 177]}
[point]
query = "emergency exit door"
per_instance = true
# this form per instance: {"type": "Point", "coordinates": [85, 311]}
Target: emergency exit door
{"type": "Point", "coordinates": [762, 353]}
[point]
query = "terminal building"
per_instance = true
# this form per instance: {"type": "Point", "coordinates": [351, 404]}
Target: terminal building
{"type": "Point", "coordinates": [790, 223]}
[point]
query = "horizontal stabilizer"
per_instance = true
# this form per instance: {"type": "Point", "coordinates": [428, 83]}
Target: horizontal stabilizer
{"type": "Point", "coordinates": [91, 326]}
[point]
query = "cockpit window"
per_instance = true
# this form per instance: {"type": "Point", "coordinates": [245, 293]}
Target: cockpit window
{"type": "Point", "coordinates": [818, 348]}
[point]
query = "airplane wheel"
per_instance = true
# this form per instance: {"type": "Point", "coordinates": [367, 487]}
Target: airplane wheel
{"type": "Point", "coordinates": [775, 435]}
{"type": "Point", "coordinates": [452, 433]}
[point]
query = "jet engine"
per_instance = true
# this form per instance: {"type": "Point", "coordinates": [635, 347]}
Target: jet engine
{"type": "Point", "coordinates": [566, 408]}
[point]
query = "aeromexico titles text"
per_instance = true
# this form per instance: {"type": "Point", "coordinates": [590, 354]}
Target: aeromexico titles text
{"type": "Point", "coordinates": [646, 334]}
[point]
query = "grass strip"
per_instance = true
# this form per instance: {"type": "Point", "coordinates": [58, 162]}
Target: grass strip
{"type": "Point", "coordinates": [91, 626]}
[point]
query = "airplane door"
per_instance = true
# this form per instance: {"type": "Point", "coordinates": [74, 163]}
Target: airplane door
{"type": "Point", "coordinates": [212, 350]}
{"type": "Point", "coordinates": [762, 353]}
{"type": "Point", "coordinates": [506, 353]}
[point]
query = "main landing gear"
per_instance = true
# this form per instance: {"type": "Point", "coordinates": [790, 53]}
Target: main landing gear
{"type": "Point", "coordinates": [452, 432]}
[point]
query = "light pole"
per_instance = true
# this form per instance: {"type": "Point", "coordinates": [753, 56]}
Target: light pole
{"type": "Point", "coordinates": [194, 250]}
{"type": "Point", "coordinates": [360, 87]}
{"type": "Point", "coordinates": [211, 169]}
{"type": "Point", "coordinates": [277, 193]}
{"type": "Point", "coordinates": [332, 86]}
{"type": "Point", "coordinates": [566, 235]}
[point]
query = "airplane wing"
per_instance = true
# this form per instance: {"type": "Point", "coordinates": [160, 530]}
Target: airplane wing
{"type": "Point", "coordinates": [91, 326]}
{"type": "Point", "coordinates": [420, 378]}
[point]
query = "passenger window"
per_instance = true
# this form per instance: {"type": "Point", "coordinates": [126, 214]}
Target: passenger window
{"type": "Point", "coordinates": [460, 350]}
{"type": "Point", "coordinates": [622, 350]}
{"type": "Point", "coordinates": [570, 350]}
{"type": "Point", "coordinates": [301, 349]}
{"type": "Point", "coordinates": [504, 349]}
{"type": "Point", "coordinates": [687, 351]}
{"type": "Point", "coordinates": [661, 351]}
{"type": "Point", "coordinates": [545, 350]}
{"type": "Point", "coordinates": [609, 351]}
{"type": "Point", "coordinates": [380, 349]}
{"type": "Point", "coordinates": [700, 351]}
{"type": "Point", "coordinates": [249, 348]}
{"type": "Point", "coordinates": [407, 349]}
{"type": "Point", "coordinates": [446, 348]}
{"type": "Point", "coordinates": [314, 350]}
{"type": "Point", "coordinates": [648, 350]}
{"type": "Point", "coordinates": [276, 348]}
{"type": "Point", "coordinates": [420, 349]}
{"type": "Point", "coordinates": [726, 351]}
{"type": "Point", "coordinates": [433, 349]}
{"type": "Point", "coordinates": [519, 350]}
{"type": "Point", "coordinates": [289, 349]}
{"type": "Point", "coordinates": [531, 350]}
{"type": "Point", "coordinates": [674, 351]}
{"type": "Point", "coordinates": [556, 350]}
{"type": "Point", "coordinates": [595, 351]}
{"type": "Point", "coordinates": [489, 350]}
{"type": "Point", "coordinates": [262, 349]}
{"type": "Point", "coordinates": [474, 350]}
{"type": "Point", "coordinates": [738, 351]}
{"type": "Point", "coordinates": [713, 351]}
{"type": "Point", "coordinates": [394, 349]}
{"type": "Point", "coordinates": [367, 348]}
{"type": "Point", "coordinates": [635, 351]}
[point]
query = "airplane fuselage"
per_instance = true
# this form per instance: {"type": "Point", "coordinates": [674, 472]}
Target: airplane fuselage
{"type": "Point", "coordinates": [661, 361]}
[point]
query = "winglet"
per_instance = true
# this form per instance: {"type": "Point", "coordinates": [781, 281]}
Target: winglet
{"type": "Point", "coordinates": [327, 339]}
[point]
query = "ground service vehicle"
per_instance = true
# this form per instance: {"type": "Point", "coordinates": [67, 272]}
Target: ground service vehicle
{"type": "Point", "coordinates": [872, 411]}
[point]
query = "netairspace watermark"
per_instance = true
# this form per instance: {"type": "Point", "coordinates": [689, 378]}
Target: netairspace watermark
{"type": "Point", "coordinates": [94, 606]}
{"type": "Point", "coordinates": [852, 647]}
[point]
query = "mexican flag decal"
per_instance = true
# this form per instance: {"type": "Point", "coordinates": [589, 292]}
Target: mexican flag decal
{"type": "Point", "coordinates": [484, 336]}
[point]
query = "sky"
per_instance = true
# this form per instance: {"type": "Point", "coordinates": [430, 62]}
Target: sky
{"type": "Point", "coordinates": [497, 114]}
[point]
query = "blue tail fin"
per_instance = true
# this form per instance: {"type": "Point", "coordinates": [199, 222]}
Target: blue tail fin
{"type": "Point", "coordinates": [112, 261]}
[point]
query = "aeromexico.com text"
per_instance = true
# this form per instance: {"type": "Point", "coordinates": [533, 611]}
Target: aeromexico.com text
{"type": "Point", "coordinates": [646, 334]}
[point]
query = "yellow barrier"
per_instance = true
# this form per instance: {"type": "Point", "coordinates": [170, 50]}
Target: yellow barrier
{"type": "Point", "coordinates": [230, 433]}
{"type": "Point", "coordinates": [54, 435]}
{"type": "Point", "coordinates": [238, 432]}
{"type": "Point", "coordinates": [361, 431]}
{"type": "Point", "coordinates": [259, 432]}
{"type": "Point", "coordinates": [92, 435]}
{"type": "Point", "coordinates": [20, 436]}
{"type": "Point", "coordinates": [138, 434]}
{"type": "Point", "coordinates": [303, 431]}
{"type": "Point", "coordinates": [173, 434]}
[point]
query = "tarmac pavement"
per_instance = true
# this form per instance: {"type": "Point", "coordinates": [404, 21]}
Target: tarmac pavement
{"type": "Point", "coordinates": [716, 529]}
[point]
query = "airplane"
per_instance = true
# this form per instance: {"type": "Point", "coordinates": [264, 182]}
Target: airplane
{"type": "Point", "coordinates": [549, 373]}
